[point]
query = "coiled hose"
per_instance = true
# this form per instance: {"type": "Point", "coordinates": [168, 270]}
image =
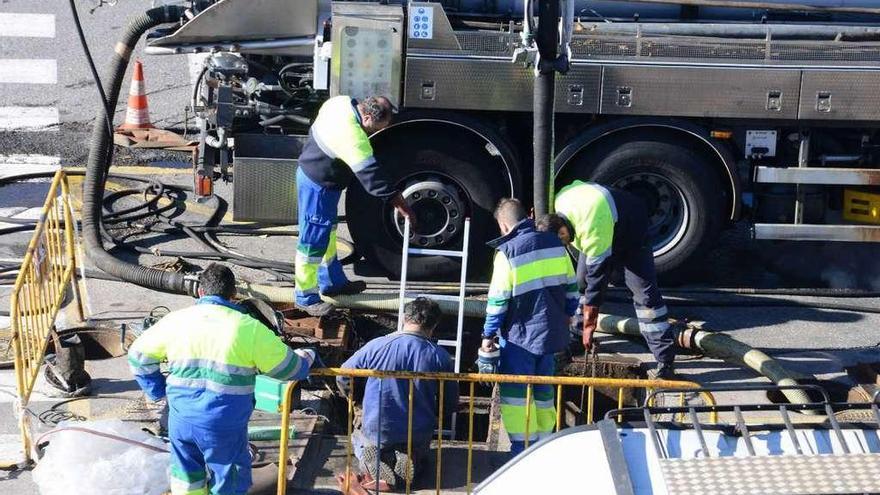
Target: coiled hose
{"type": "Point", "coordinates": [100, 157]}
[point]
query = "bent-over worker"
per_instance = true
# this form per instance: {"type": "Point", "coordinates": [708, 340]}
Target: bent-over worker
{"type": "Point", "coordinates": [338, 148]}
{"type": "Point", "coordinates": [610, 227]}
{"type": "Point", "coordinates": [214, 352]}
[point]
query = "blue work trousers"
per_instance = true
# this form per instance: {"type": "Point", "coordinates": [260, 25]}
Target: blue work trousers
{"type": "Point", "coordinates": [542, 408]}
{"type": "Point", "coordinates": [204, 460]}
{"type": "Point", "coordinates": [317, 267]}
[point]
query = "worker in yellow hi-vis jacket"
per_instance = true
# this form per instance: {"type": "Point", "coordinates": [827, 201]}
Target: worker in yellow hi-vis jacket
{"type": "Point", "coordinates": [214, 352]}
{"type": "Point", "coordinates": [338, 149]}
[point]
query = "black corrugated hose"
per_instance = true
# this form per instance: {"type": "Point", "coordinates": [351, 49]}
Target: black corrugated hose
{"type": "Point", "coordinates": [100, 155]}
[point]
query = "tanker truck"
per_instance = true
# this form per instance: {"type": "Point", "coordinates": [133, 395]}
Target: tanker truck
{"type": "Point", "coordinates": [711, 114]}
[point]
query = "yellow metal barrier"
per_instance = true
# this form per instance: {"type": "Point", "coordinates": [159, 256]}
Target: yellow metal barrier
{"type": "Point", "coordinates": [48, 267]}
{"type": "Point", "coordinates": [472, 379]}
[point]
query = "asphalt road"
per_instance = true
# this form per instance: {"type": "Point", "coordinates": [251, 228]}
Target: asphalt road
{"type": "Point", "coordinates": [48, 98]}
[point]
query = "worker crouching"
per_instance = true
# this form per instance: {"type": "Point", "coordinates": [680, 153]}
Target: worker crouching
{"type": "Point", "coordinates": [214, 352]}
{"type": "Point", "coordinates": [532, 297]}
{"type": "Point", "coordinates": [381, 444]}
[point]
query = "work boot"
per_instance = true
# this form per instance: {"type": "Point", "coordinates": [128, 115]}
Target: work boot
{"type": "Point", "coordinates": [317, 309]}
{"type": "Point", "coordinates": [349, 289]}
{"type": "Point", "coordinates": [664, 371]}
{"type": "Point", "coordinates": [371, 459]}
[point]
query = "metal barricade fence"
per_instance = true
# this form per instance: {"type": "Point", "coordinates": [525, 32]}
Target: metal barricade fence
{"type": "Point", "coordinates": [471, 379]}
{"type": "Point", "coordinates": [39, 292]}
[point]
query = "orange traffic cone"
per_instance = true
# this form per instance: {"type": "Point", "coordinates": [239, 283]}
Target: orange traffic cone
{"type": "Point", "coordinates": [137, 115]}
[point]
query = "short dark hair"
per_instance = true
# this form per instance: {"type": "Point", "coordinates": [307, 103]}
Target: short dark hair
{"type": "Point", "coordinates": [217, 280]}
{"type": "Point", "coordinates": [378, 108]}
{"type": "Point", "coordinates": [423, 312]}
{"type": "Point", "coordinates": [510, 210]}
{"type": "Point", "coordinates": [551, 223]}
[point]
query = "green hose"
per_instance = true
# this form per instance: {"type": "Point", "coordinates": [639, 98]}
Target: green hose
{"type": "Point", "coordinates": [718, 345]}
{"type": "Point", "coordinates": [713, 344]}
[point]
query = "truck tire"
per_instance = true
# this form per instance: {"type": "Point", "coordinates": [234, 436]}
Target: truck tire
{"type": "Point", "coordinates": [445, 177]}
{"type": "Point", "coordinates": [681, 191]}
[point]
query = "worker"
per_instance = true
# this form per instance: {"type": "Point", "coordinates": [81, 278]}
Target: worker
{"type": "Point", "coordinates": [338, 148]}
{"type": "Point", "coordinates": [532, 297]}
{"type": "Point", "coordinates": [214, 351]}
{"type": "Point", "coordinates": [609, 227]}
{"type": "Point", "coordinates": [382, 439]}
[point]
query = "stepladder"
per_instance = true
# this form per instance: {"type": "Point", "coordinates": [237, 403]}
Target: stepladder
{"type": "Point", "coordinates": [406, 251]}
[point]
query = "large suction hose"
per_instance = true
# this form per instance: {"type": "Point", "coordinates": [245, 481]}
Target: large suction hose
{"type": "Point", "coordinates": [713, 344]}
{"type": "Point", "coordinates": [100, 155]}
{"type": "Point", "coordinates": [719, 346]}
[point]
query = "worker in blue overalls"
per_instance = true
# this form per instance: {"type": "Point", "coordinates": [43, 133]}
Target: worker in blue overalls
{"type": "Point", "coordinates": [338, 148]}
{"type": "Point", "coordinates": [383, 440]}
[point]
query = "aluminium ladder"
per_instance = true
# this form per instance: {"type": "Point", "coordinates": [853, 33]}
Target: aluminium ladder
{"type": "Point", "coordinates": [463, 254]}
{"type": "Point", "coordinates": [406, 251]}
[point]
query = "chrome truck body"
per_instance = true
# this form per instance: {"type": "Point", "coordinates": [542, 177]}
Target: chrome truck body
{"type": "Point", "coordinates": [711, 114]}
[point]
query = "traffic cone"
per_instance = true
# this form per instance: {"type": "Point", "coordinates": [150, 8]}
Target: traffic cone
{"type": "Point", "coordinates": [137, 115]}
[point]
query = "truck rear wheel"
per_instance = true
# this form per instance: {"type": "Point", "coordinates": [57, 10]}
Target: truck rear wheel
{"type": "Point", "coordinates": [679, 188]}
{"type": "Point", "coordinates": [445, 177]}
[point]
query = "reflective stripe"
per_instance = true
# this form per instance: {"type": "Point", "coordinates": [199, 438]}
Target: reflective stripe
{"type": "Point", "coordinates": [539, 283]}
{"type": "Point", "coordinates": [321, 144]}
{"type": "Point", "coordinates": [499, 294]}
{"type": "Point", "coordinates": [572, 295]}
{"type": "Point", "coordinates": [595, 260]}
{"type": "Point", "coordinates": [143, 369]}
{"type": "Point", "coordinates": [357, 167]}
{"type": "Point", "coordinates": [650, 313]}
{"type": "Point", "coordinates": [313, 290]}
{"type": "Point", "coordinates": [658, 327]}
{"type": "Point", "coordinates": [228, 369]}
{"type": "Point", "coordinates": [521, 437]}
{"type": "Point", "coordinates": [492, 309]}
{"type": "Point", "coordinates": [287, 367]}
{"type": "Point", "coordinates": [328, 261]}
{"type": "Point", "coordinates": [312, 260]}
{"type": "Point", "coordinates": [181, 487]}
{"type": "Point", "coordinates": [605, 192]}
{"type": "Point", "coordinates": [139, 358]}
{"type": "Point", "coordinates": [203, 383]}
{"type": "Point", "coordinates": [521, 402]}
{"type": "Point", "coordinates": [537, 255]}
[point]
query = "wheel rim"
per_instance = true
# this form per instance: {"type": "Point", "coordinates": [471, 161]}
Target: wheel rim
{"type": "Point", "coordinates": [440, 206]}
{"type": "Point", "coordinates": [668, 209]}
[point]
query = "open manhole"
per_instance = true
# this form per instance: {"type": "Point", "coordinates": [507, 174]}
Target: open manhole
{"type": "Point", "coordinates": [99, 342]}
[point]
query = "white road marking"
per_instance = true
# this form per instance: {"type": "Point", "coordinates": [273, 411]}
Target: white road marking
{"type": "Point", "coordinates": [28, 118]}
{"type": "Point", "coordinates": [28, 71]}
{"type": "Point", "coordinates": [27, 164]}
{"type": "Point", "coordinates": [27, 25]}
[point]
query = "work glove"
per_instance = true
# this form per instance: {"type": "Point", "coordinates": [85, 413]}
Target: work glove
{"type": "Point", "coordinates": [488, 357]}
{"type": "Point", "coordinates": [403, 208]}
{"type": "Point", "coordinates": [307, 355]}
{"type": "Point", "coordinates": [591, 319]}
